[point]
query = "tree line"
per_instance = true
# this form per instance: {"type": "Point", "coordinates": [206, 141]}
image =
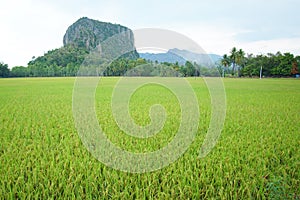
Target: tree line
{"type": "Point", "coordinates": [67, 61]}
{"type": "Point", "coordinates": [119, 67]}
{"type": "Point", "coordinates": [269, 65]}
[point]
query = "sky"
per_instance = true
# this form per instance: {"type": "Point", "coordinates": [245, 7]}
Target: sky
{"type": "Point", "coordinates": [32, 27]}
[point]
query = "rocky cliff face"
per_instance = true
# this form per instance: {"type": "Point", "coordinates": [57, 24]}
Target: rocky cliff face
{"type": "Point", "coordinates": [88, 33]}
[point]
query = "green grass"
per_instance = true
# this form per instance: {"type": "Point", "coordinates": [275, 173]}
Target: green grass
{"type": "Point", "coordinates": [257, 155]}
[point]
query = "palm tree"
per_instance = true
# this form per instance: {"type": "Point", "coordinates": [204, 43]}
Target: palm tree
{"type": "Point", "coordinates": [233, 58]}
{"type": "Point", "coordinates": [237, 58]}
{"type": "Point", "coordinates": [240, 57]}
{"type": "Point", "coordinates": [225, 62]}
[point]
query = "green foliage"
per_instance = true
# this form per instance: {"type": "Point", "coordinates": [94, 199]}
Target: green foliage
{"type": "Point", "coordinates": [4, 71]}
{"type": "Point", "coordinates": [189, 69]}
{"type": "Point", "coordinates": [64, 61]}
{"type": "Point", "coordinates": [67, 60]}
{"type": "Point", "coordinates": [256, 157]}
{"type": "Point", "coordinates": [236, 58]}
{"type": "Point", "coordinates": [295, 70]}
{"type": "Point", "coordinates": [19, 71]}
{"type": "Point", "coordinates": [274, 65]}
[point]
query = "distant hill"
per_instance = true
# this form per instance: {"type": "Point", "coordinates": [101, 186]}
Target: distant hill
{"type": "Point", "coordinates": [163, 57]}
{"type": "Point", "coordinates": [181, 56]}
{"type": "Point", "coordinates": [88, 33]}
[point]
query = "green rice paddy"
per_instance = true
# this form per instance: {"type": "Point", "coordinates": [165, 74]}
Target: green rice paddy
{"type": "Point", "coordinates": [257, 155]}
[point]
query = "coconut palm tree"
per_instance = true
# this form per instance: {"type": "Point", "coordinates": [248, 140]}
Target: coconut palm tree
{"type": "Point", "coordinates": [233, 57]}
{"type": "Point", "coordinates": [240, 58]}
{"type": "Point", "coordinates": [225, 62]}
{"type": "Point", "coordinates": [237, 58]}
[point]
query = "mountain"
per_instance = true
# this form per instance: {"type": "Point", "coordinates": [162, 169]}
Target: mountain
{"type": "Point", "coordinates": [88, 33]}
{"type": "Point", "coordinates": [163, 57]}
{"type": "Point", "coordinates": [200, 58]}
{"type": "Point", "coordinates": [80, 38]}
{"type": "Point", "coordinates": [181, 56]}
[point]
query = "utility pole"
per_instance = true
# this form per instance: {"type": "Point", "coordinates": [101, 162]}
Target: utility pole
{"type": "Point", "coordinates": [260, 74]}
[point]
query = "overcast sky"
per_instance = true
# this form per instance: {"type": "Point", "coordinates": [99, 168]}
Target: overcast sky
{"type": "Point", "coordinates": [32, 27]}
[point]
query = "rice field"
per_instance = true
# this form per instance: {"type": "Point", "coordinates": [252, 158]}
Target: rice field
{"type": "Point", "coordinates": [256, 157]}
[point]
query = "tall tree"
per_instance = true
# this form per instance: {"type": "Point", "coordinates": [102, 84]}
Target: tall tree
{"type": "Point", "coordinates": [4, 71]}
{"type": "Point", "coordinates": [225, 62]}
{"type": "Point", "coordinates": [233, 58]}
{"type": "Point", "coordinates": [19, 71]}
{"type": "Point", "coordinates": [190, 69]}
{"type": "Point", "coordinates": [294, 70]}
{"type": "Point", "coordinates": [240, 58]}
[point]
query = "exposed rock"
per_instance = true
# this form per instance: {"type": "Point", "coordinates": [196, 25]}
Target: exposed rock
{"type": "Point", "coordinates": [88, 33]}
